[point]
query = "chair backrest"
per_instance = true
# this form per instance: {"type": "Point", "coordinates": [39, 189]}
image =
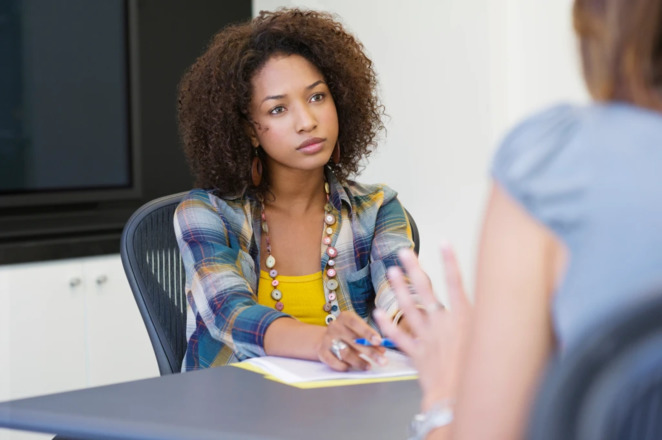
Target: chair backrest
{"type": "Point", "coordinates": [153, 266]}
{"type": "Point", "coordinates": [609, 386]}
{"type": "Point", "coordinates": [414, 232]}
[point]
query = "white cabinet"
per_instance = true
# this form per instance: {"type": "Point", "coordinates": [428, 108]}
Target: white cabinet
{"type": "Point", "coordinates": [46, 305]}
{"type": "Point", "coordinates": [68, 324]}
{"type": "Point", "coordinates": [118, 347]}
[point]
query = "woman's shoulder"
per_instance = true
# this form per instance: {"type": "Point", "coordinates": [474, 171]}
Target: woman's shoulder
{"type": "Point", "coordinates": [566, 130]}
{"type": "Point", "coordinates": [210, 198]}
{"type": "Point", "coordinates": [537, 136]}
{"type": "Point", "coordinates": [540, 165]}
{"type": "Point", "coordinates": [372, 194]}
{"type": "Point", "coordinates": [556, 162]}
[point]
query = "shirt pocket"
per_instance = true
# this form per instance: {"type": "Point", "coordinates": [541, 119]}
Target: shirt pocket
{"type": "Point", "coordinates": [361, 291]}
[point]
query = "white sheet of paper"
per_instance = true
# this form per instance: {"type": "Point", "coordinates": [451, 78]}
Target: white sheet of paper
{"type": "Point", "coordinates": [297, 370]}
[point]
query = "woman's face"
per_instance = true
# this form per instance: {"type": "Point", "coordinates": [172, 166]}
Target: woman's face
{"type": "Point", "coordinates": [294, 116]}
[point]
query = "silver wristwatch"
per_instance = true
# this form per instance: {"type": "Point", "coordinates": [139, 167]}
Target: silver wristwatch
{"type": "Point", "coordinates": [440, 414]}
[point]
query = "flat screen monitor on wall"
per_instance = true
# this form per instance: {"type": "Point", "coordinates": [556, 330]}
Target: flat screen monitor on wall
{"type": "Point", "coordinates": [66, 113]}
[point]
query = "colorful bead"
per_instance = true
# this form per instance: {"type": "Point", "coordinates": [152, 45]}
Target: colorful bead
{"type": "Point", "coordinates": [331, 262]}
{"type": "Point", "coordinates": [327, 307]}
{"type": "Point", "coordinates": [329, 319]}
{"type": "Point", "coordinates": [279, 306]}
{"type": "Point", "coordinates": [331, 252]}
{"type": "Point", "coordinates": [329, 230]}
{"type": "Point", "coordinates": [273, 273]}
{"type": "Point", "coordinates": [332, 296]}
{"type": "Point", "coordinates": [326, 187]}
{"type": "Point", "coordinates": [276, 295]}
{"type": "Point", "coordinates": [328, 207]}
{"type": "Point", "coordinates": [326, 240]}
{"type": "Point", "coordinates": [271, 261]}
{"type": "Point", "coordinates": [275, 283]}
{"type": "Point", "coordinates": [329, 219]}
{"type": "Point", "coordinates": [332, 284]}
{"type": "Point", "coordinates": [331, 273]}
{"type": "Point", "coordinates": [334, 308]}
{"type": "Point", "coordinates": [265, 228]}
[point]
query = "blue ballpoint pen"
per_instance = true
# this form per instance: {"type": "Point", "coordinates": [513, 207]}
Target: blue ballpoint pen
{"type": "Point", "coordinates": [385, 342]}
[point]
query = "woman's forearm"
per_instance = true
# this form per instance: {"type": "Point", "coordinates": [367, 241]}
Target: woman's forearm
{"type": "Point", "coordinates": [291, 338]}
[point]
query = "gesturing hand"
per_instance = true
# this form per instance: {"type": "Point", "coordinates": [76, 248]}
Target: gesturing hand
{"type": "Point", "coordinates": [338, 350]}
{"type": "Point", "coordinates": [438, 335]}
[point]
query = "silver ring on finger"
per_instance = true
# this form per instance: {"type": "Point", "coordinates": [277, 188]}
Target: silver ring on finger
{"type": "Point", "coordinates": [337, 346]}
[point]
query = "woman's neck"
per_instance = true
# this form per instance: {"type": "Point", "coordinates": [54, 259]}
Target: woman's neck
{"type": "Point", "coordinates": [296, 191]}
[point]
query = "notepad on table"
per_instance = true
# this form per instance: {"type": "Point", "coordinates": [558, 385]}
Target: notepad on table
{"type": "Point", "coordinates": [311, 374]}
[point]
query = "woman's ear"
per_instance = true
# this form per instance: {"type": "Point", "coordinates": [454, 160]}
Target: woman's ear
{"type": "Point", "coordinates": [249, 128]}
{"type": "Point", "coordinates": [254, 140]}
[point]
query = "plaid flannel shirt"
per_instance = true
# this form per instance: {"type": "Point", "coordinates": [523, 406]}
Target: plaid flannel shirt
{"type": "Point", "coordinates": [221, 255]}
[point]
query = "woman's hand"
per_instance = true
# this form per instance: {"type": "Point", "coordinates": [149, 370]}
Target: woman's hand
{"type": "Point", "coordinates": [339, 337]}
{"type": "Point", "coordinates": [436, 338]}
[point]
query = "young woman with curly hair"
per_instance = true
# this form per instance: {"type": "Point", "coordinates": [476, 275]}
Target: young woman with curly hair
{"type": "Point", "coordinates": [284, 255]}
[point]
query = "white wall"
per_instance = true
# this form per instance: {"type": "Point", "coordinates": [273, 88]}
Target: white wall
{"type": "Point", "coordinates": [454, 74]}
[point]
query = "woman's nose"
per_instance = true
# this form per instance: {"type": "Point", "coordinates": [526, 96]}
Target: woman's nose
{"type": "Point", "coordinates": [306, 120]}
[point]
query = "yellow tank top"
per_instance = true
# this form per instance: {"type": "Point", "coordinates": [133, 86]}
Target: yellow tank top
{"type": "Point", "coordinates": [303, 296]}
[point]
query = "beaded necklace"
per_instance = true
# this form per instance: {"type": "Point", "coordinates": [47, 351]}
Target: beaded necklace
{"type": "Point", "coordinates": [331, 298]}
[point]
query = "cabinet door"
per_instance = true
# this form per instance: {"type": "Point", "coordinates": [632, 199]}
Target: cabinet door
{"type": "Point", "coordinates": [118, 346]}
{"type": "Point", "coordinates": [44, 324]}
{"type": "Point", "coordinates": [41, 333]}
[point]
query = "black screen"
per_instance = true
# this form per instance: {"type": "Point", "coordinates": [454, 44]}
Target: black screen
{"type": "Point", "coordinates": [64, 112]}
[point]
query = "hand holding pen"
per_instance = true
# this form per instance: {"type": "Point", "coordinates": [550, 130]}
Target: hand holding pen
{"type": "Point", "coordinates": [339, 350]}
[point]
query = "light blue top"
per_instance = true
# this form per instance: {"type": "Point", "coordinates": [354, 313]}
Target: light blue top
{"type": "Point", "coordinates": [593, 175]}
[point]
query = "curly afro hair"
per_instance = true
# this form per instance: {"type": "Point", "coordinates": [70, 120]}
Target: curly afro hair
{"type": "Point", "coordinates": [215, 93]}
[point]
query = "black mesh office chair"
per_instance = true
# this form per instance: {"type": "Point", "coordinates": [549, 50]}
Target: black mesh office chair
{"type": "Point", "coordinates": [153, 265]}
{"type": "Point", "coordinates": [610, 386]}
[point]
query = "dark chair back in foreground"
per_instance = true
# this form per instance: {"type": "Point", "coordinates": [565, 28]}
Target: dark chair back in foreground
{"type": "Point", "coordinates": [153, 265]}
{"type": "Point", "coordinates": [609, 387]}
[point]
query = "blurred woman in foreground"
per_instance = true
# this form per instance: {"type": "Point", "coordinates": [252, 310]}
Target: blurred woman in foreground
{"type": "Point", "coordinates": [572, 232]}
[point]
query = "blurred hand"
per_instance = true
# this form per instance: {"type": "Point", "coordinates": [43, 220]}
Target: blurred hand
{"type": "Point", "coordinates": [436, 336]}
{"type": "Point", "coordinates": [346, 328]}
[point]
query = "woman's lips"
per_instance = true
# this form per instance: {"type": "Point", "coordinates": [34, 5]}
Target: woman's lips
{"type": "Point", "coordinates": [312, 145]}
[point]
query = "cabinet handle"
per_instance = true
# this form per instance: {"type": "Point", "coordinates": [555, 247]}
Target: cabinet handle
{"type": "Point", "coordinates": [74, 282]}
{"type": "Point", "coordinates": [101, 279]}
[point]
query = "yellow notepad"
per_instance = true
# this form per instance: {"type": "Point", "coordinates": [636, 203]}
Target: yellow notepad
{"type": "Point", "coordinates": [312, 374]}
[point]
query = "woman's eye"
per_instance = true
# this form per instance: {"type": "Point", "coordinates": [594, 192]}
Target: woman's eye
{"type": "Point", "coordinates": [317, 97]}
{"type": "Point", "coordinates": [277, 110]}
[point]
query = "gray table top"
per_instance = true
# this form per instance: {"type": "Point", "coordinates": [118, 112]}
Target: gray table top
{"type": "Point", "coordinates": [219, 403]}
